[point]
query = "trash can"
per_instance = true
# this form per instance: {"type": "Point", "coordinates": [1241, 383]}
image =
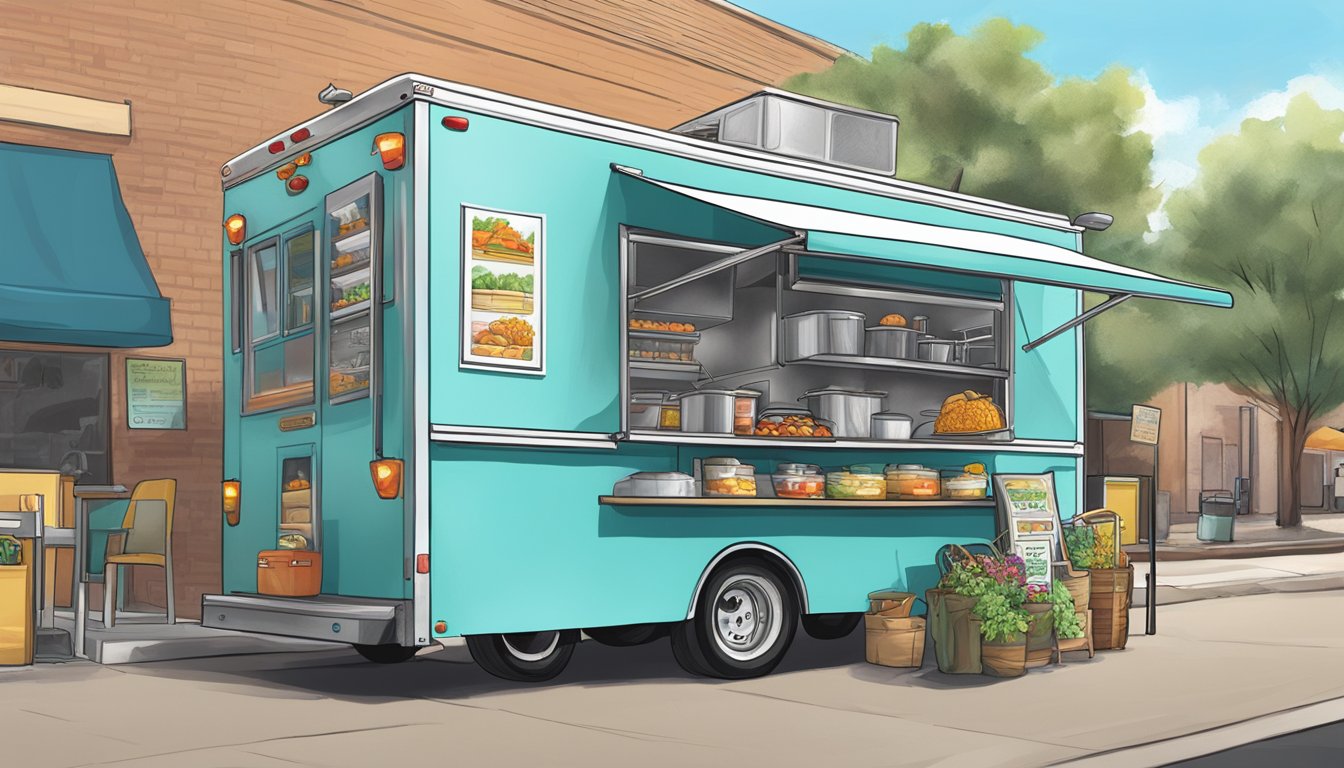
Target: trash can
{"type": "Point", "coordinates": [1217, 513]}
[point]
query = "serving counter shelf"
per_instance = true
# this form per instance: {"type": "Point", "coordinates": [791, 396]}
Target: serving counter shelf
{"type": "Point", "coordinates": [765, 501]}
{"type": "Point", "coordinates": [1058, 447]}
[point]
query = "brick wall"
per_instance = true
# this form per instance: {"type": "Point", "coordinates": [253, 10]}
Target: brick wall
{"type": "Point", "coordinates": [207, 80]}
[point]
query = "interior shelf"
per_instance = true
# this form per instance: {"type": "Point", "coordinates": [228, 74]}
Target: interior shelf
{"type": "Point", "coordinates": [756, 501]}
{"type": "Point", "coordinates": [670, 370]}
{"type": "Point", "coordinates": [889, 363]}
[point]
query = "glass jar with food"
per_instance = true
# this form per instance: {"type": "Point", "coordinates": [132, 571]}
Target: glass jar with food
{"type": "Point", "coordinates": [799, 481]}
{"type": "Point", "coordinates": [744, 411]}
{"type": "Point", "coordinates": [970, 482]}
{"type": "Point", "coordinates": [912, 482]}
{"type": "Point", "coordinates": [857, 482]}
{"type": "Point", "coordinates": [792, 422]}
{"type": "Point", "coordinates": [965, 486]}
{"type": "Point", "coordinates": [669, 415]}
{"type": "Point", "coordinates": [729, 479]}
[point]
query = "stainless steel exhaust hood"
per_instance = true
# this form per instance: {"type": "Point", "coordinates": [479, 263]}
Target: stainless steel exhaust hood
{"type": "Point", "coordinates": [799, 126]}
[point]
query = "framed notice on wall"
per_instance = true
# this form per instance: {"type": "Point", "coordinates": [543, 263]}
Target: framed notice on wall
{"type": "Point", "coordinates": [503, 291]}
{"type": "Point", "coordinates": [156, 393]}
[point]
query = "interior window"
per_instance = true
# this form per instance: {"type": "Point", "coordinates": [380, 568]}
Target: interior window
{"type": "Point", "coordinates": [265, 317]}
{"type": "Point", "coordinates": [281, 365]}
{"type": "Point", "coordinates": [299, 255]}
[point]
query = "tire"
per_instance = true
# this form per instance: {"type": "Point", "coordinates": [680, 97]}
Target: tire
{"type": "Point", "coordinates": [830, 626]}
{"type": "Point", "coordinates": [525, 657]}
{"type": "Point", "coordinates": [629, 634]}
{"type": "Point", "coordinates": [744, 621]}
{"type": "Point", "coordinates": [390, 653]}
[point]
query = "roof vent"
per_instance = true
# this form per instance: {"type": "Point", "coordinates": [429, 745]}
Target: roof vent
{"type": "Point", "coordinates": [798, 126]}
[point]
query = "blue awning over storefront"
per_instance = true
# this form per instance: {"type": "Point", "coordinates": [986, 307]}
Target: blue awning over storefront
{"type": "Point", "coordinates": [71, 267]}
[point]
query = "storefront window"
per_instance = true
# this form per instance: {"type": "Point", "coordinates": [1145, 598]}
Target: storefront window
{"type": "Point", "coordinates": [54, 413]}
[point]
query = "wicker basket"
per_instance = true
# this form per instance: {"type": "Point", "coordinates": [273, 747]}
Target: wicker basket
{"type": "Point", "coordinates": [894, 642]}
{"type": "Point", "coordinates": [1112, 595]}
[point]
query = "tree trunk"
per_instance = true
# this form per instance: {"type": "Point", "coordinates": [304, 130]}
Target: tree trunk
{"type": "Point", "coordinates": [1293, 438]}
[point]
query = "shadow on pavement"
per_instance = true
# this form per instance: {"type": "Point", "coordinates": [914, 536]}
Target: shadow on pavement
{"type": "Point", "coordinates": [448, 674]}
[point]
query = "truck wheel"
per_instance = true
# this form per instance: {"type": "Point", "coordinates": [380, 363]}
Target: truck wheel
{"type": "Point", "coordinates": [743, 624]}
{"type": "Point", "coordinates": [389, 653]}
{"type": "Point", "coordinates": [527, 657]}
{"type": "Point", "coordinates": [830, 626]}
{"type": "Point", "coordinates": [628, 634]}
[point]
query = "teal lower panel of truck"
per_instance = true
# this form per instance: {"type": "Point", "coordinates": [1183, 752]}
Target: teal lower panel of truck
{"type": "Point", "coordinates": [520, 542]}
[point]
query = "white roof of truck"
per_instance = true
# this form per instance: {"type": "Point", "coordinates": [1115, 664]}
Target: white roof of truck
{"type": "Point", "coordinates": [398, 91]}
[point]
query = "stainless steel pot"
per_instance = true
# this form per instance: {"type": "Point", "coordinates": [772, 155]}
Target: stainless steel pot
{"type": "Point", "coordinates": [892, 426]}
{"type": "Point", "coordinates": [850, 410]}
{"type": "Point", "coordinates": [937, 350]}
{"type": "Point", "coordinates": [708, 410]}
{"type": "Point", "coordinates": [891, 341]}
{"type": "Point", "coordinates": [823, 332]}
{"type": "Point", "coordinates": [655, 484]}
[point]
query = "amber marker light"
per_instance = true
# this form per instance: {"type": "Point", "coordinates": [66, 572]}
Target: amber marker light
{"type": "Point", "coordinates": [233, 492]}
{"type": "Point", "coordinates": [236, 228]}
{"type": "Point", "coordinates": [391, 148]}
{"type": "Point", "coordinates": [386, 477]}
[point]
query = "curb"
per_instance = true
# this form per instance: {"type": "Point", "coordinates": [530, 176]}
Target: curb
{"type": "Point", "coordinates": [1320, 546]}
{"type": "Point", "coordinates": [1167, 595]}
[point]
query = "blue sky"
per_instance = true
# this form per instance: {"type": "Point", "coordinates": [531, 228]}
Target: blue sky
{"type": "Point", "coordinates": [1205, 66]}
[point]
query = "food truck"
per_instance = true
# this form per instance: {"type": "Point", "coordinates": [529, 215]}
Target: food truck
{"type": "Point", "coordinates": [509, 372]}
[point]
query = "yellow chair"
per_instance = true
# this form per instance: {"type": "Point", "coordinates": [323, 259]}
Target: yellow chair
{"type": "Point", "coordinates": [145, 538]}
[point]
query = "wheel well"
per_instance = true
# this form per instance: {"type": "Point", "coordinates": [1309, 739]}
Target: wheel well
{"type": "Point", "coordinates": [747, 551]}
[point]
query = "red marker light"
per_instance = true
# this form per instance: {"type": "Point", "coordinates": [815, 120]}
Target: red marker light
{"type": "Point", "coordinates": [455, 123]}
{"type": "Point", "coordinates": [276, 147]}
{"type": "Point", "coordinates": [422, 563]}
{"type": "Point", "coordinates": [300, 135]}
{"type": "Point", "coordinates": [440, 627]}
{"type": "Point", "coordinates": [297, 184]}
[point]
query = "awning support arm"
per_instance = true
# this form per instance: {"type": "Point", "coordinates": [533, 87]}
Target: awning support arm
{"type": "Point", "coordinates": [1079, 320]}
{"type": "Point", "coordinates": [716, 266]}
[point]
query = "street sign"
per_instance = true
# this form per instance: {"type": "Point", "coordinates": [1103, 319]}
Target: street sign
{"type": "Point", "coordinates": [1144, 423]}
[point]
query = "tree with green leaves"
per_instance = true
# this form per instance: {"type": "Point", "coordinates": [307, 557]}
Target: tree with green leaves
{"type": "Point", "coordinates": [974, 107]}
{"type": "Point", "coordinates": [1265, 221]}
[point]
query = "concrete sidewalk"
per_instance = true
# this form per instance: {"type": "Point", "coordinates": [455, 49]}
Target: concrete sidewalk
{"type": "Point", "coordinates": [1252, 536]}
{"type": "Point", "coordinates": [1186, 580]}
{"type": "Point", "coordinates": [1220, 673]}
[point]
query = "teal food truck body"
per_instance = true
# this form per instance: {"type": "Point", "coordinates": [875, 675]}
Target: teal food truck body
{"type": "Point", "coordinates": [459, 322]}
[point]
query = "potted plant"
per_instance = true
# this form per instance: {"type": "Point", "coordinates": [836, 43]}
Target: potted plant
{"type": "Point", "coordinates": [956, 636]}
{"type": "Point", "coordinates": [1054, 614]}
{"type": "Point", "coordinates": [1003, 619]}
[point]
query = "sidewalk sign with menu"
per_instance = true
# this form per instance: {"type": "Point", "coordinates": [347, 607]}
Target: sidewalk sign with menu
{"type": "Point", "coordinates": [1028, 512]}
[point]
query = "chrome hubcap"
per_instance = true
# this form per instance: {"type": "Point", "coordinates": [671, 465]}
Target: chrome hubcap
{"type": "Point", "coordinates": [746, 617]}
{"type": "Point", "coordinates": [531, 646]}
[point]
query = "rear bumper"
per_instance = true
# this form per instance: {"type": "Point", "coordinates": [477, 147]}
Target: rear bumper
{"type": "Point", "coordinates": [354, 620]}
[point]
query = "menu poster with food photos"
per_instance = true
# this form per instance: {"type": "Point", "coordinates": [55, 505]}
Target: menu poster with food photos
{"type": "Point", "coordinates": [503, 291]}
{"type": "Point", "coordinates": [1028, 510]}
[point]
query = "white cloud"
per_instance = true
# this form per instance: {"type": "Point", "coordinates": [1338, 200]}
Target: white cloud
{"type": "Point", "coordinates": [1275, 103]}
{"type": "Point", "coordinates": [1160, 118]}
{"type": "Point", "coordinates": [1182, 127]}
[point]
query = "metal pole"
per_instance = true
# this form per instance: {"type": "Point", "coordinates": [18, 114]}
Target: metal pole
{"type": "Point", "coordinates": [1150, 624]}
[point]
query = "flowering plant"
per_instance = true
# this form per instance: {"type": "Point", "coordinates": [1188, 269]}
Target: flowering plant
{"type": "Point", "coordinates": [1000, 585]}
